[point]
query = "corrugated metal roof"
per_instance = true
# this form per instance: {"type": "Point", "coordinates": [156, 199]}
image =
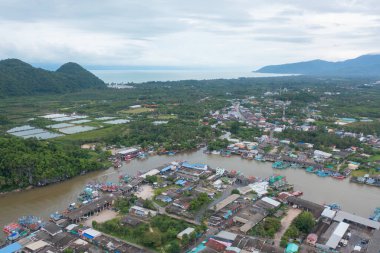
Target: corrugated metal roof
{"type": "Point", "coordinates": [342, 216]}
{"type": "Point", "coordinates": [226, 235]}
{"type": "Point", "coordinates": [338, 233]}
{"type": "Point", "coordinates": [11, 248]}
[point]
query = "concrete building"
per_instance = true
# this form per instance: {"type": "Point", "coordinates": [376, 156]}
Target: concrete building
{"type": "Point", "coordinates": [337, 235]}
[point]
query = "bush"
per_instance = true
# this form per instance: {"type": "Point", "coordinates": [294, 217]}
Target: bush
{"type": "Point", "coordinates": [235, 191]}
{"type": "Point", "coordinates": [304, 222]}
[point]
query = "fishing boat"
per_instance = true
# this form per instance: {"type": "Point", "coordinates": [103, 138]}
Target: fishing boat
{"type": "Point", "coordinates": [297, 193]}
{"type": "Point", "coordinates": [117, 164]}
{"type": "Point", "coordinates": [225, 153]}
{"type": "Point", "coordinates": [310, 169]}
{"type": "Point", "coordinates": [215, 152]}
{"type": "Point", "coordinates": [259, 157]}
{"type": "Point", "coordinates": [30, 222]}
{"type": "Point", "coordinates": [295, 166]}
{"type": "Point", "coordinates": [323, 173]}
{"type": "Point", "coordinates": [338, 176]}
{"type": "Point", "coordinates": [125, 178]}
{"type": "Point", "coordinates": [280, 165]}
{"type": "Point", "coordinates": [142, 155]}
{"type": "Point", "coordinates": [376, 214]}
{"type": "Point", "coordinates": [8, 229]}
{"type": "Point", "coordinates": [56, 216]}
{"type": "Point", "coordinates": [334, 206]}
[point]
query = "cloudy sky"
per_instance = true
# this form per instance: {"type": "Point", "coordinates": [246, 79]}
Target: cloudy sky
{"type": "Point", "coordinates": [190, 33]}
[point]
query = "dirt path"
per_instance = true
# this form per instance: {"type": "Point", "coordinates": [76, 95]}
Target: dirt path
{"type": "Point", "coordinates": [285, 223]}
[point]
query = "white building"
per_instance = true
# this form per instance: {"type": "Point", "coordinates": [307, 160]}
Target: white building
{"type": "Point", "coordinates": [321, 154]}
{"type": "Point", "coordinates": [337, 235]}
{"type": "Point", "coordinates": [187, 231]}
{"type": "Point", "coordinates": [261, 188]}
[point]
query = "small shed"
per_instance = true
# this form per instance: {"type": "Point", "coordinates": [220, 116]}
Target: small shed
{"type": "Point", "coordinates": [187, 231]}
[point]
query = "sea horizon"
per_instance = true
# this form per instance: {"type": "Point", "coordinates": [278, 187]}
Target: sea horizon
{"type": "Point", "coordinates": [162, 75]}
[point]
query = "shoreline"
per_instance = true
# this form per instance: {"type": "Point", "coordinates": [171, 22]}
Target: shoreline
{"type": "Point", "coordinates": [31, 187]}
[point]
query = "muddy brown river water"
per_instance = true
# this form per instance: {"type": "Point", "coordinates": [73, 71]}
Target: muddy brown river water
{"type": "Point", "coordinates": [358, 199]}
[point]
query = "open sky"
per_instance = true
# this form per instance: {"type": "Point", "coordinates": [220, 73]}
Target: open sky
{"type": "Point", "coordinates": [187, 33]}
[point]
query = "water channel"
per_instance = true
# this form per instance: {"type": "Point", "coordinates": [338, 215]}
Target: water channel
{"type": "Point", "coordinates": [359, 199]}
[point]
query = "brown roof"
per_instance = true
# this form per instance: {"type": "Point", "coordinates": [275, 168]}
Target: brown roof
{"type": "Point", "coordinates": [215, 245]}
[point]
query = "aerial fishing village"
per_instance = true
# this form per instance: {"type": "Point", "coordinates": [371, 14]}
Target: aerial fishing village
{"type": "Point", "coordinates": [191, 207]}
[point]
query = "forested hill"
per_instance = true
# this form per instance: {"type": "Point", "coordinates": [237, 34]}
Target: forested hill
{"type": "Point", "coordinates": [365, 65]}
{"type": "Point", "coordinates": [18, 78]}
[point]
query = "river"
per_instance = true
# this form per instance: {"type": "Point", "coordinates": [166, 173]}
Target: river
{"type": "Point", "coordinates": [359, 199]}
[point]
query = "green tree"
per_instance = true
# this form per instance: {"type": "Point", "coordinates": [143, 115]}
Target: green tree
{"type": "Point", "coordinates": [304, 222]}
{"type": "Point", "coordinates": [235, 191]}
{"type": "Point", "coordinates": [174, 247]}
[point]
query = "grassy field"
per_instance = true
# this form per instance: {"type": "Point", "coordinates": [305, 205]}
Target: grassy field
{"type": "Point", "coordinates": [137, 110]}
{"type": "Point", "coordinates": [164, 117]}
{"type": "Point", "coordinates": [374, 158]}
{"type": "Point", "coordinates": [361, 173]}
{"type": "Point", "coordinates": [95, 135]}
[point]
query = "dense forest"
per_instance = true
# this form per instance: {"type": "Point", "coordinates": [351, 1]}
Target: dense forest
{"type": "Point", "coordinates": [176, 135]}
{"type": "Point", "coordinates": [19, 78]}
{"type": "Point", "coordinates": [320, 138]}
{"type": "Point", "coordinates": [33, 162]}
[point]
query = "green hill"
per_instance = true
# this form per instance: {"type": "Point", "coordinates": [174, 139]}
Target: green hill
{"type": "Point", "coordinates": [18, 78]}
{"type": "Point", "coordinates": [365, 65]}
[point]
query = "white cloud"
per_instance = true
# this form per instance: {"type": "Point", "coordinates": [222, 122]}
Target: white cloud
{"type": "Point", "coordinates": [215, 33]}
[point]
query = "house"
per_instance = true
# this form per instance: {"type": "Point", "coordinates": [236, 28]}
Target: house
{"type": "Point", "coordinates": [150, 173]}
{"type": "Point", "coordinates": [261, 188]}
{"type": "Point", "coordinates": [35, 246]}
{"type": "Point", "coordinates": [181, 182]}
{"type": "Point", "coordinates": [130, 220]}
{"type": "Point", "coordinates": [215, 245]}
{"type": "Point", "coordinates": [318, 154]}
{"type": "Point", "coordinates": [337, 235]}
{"type": "Point", "coordinates": [91, 234]}
{"type": "Point", "coordinates": [51, 228]}
{"type": "Point", "coordinates": [187, 231]}
{"type": "Point", "coordinates": [225, 202]}
{"type": "Point", "coordinates": [11, 248]}
{"type": "Point", "coordinates": [142, 212]}
{"type": "Point", "coordinates": [182, 203]}
{"type": "Point", "coordinates": [217, 184]}
{"type": "Point", "coordinates": [271, 202]}
{"type": "Point", "coordinates": [306, 205]}
{"type": "Point", "coordinates": [226, 236]}
{"type": "Point", "coordinates": [164, 198]}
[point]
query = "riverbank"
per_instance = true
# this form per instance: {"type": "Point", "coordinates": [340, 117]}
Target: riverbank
{"type": "Point", "coordinates": [31, 187]}
{"type": "Point", "coordinates": [46, 200]}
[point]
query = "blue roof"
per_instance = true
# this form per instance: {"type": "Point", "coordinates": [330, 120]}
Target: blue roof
{"type": "Point", "coordinates": [291, 248]}
{"type": "Point", "coordinates": [88, 236]}
{"type": "Point", "coordinates": [196, 166]}
{"type": "Point", "coordinates": [11, 248]}
{"type": "Point", "coordinates": [166, 169]}
{"type": "Point", "coordinates": [181, 182]}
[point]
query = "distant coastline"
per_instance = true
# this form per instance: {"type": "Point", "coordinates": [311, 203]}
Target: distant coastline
{"type": "Point", "coordinates": [140, 76]}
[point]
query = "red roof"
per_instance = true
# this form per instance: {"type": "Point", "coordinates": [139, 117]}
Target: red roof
{"type": "Point", "coordinates": [215, 245]}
